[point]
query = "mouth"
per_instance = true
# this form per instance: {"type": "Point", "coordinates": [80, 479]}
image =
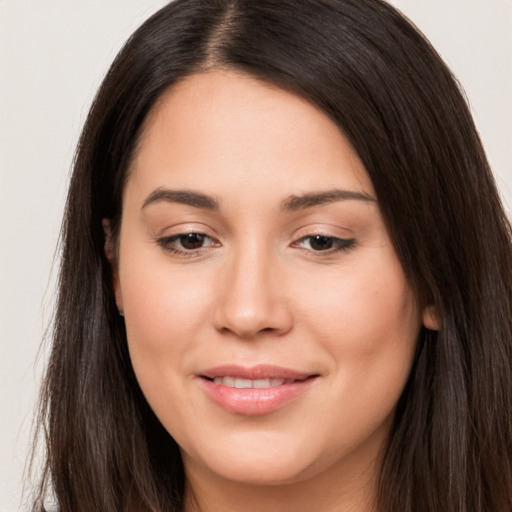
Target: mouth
{"type": "Point", "coordinates": [239, 383]}
{"type": "Point", "coordinates": [255, 391]}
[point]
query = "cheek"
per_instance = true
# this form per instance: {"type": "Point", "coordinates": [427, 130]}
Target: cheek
{"type": "Point", "coordinates": [368, 322]}
{"type": "Point", "coordinates": [366, 303]}
{"type": "Point", "coordinates": [165, 312]}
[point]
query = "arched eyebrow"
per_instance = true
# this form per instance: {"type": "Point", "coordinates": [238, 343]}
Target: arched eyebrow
{"type": "Point", "coordinates": [188, 197]}
{"type": "Point", "coordinates": [308, 200]}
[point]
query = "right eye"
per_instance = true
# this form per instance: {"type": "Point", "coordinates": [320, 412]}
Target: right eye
{"type": "Point", "coordinates": [187, 244]}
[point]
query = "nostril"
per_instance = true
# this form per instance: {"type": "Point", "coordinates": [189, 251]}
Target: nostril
{"type": "Point", "coordinates": [250, 314]}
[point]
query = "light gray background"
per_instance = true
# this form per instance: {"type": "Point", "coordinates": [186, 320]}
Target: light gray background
{"type": "Point", "coordinates": [53, 54]}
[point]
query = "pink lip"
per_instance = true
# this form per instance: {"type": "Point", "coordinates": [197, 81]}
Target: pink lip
{"type": "Point", "coordinates": [261, 371]}
{"type": "Point", "coordinates": [255, 401]}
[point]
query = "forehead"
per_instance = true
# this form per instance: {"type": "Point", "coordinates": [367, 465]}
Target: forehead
{"type": "Point", "coordinates": [222, 127]}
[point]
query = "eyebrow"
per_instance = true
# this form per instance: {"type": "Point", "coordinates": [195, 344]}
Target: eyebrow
{"type": "Point", "coordinates": [188, 197]}
{"type": "Point", "coordinates": [301, 202]}
{"type": "Point", "coordinates": [292, 203]}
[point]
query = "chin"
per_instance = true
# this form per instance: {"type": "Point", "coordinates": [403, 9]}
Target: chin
{"type": "Point", "coordinates": [261, 459]}
{"type": "Point", "coordinates": [279, 471]}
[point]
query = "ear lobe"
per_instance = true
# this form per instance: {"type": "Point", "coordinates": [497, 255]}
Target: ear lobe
{"type": "Point", "coordinates": [430, 318]}
{"type": "Point", "coordinates": [111, 254]}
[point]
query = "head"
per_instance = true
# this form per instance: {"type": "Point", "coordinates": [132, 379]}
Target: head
{"type": "Point", "coordinates": [373, 80]}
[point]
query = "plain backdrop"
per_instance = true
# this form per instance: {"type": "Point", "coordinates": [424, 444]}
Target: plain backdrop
{"type": "Point", "coordinates": [53, 55]}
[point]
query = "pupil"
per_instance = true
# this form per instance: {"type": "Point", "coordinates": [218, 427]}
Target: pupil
{"type": "Point", "coordinates": [321, 243]}
{"type": "Point", "coordinates": [192, 241]}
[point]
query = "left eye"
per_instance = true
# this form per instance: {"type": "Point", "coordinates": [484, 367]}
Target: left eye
{"type": "Point", "coordinates": [323, 243]}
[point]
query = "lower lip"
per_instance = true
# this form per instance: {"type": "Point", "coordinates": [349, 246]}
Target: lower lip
{"type": "Point", "coordinates": [255, 401]}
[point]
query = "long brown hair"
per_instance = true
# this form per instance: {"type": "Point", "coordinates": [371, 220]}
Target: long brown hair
{"type": "Point", "coordinates": [377, 77]}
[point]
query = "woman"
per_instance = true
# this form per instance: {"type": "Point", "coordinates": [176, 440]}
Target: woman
{"type": "Point", "coordinates": [286, 274]}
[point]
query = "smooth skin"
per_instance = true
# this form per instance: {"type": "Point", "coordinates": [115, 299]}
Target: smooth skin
{"type": "Point", "coordinates": [230, 252]}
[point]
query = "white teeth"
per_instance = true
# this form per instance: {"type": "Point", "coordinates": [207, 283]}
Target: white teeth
{"type": "Point", "coordinates": [236, 382]}
{"type": "Point", "coordinates": [243, 383]}
{"type": "Point", "coordinates": [229, 381]}
{"type": "Point", "coordinates": [261, 383]}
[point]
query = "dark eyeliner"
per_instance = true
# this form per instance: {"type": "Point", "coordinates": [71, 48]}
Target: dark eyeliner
{"type": "Point", "coordinates": [339, 245]}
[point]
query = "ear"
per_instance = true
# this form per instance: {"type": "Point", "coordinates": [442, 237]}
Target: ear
{"type": "Point", "coordinates": [111, 254]}
{"type": "Point", "coordinates": [430, 318]}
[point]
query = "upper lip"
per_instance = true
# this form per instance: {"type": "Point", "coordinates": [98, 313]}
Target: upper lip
{"type": "Point", "coordinates": [261, 371]}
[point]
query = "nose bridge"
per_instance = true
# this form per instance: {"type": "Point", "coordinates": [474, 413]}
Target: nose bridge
{"type": "Point", "coordinates": [252, 299]}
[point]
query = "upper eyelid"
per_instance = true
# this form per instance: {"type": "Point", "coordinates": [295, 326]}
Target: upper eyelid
{"type": "Point", "coordinates": [295, 237]}
{"type": "Point", "coordinates": [183, 229]}
{"type": "Point", "coordinates": [326, 227]}
{"type": "Point", "coordinates": [325, 235]}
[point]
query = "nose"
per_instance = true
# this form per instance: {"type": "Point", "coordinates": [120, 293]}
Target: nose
{"type": "Point", "coordinates": [251, 300]}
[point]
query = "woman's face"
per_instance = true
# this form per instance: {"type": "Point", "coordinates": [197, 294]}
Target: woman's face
{"type": "Point", "coordinates": [269, 321]}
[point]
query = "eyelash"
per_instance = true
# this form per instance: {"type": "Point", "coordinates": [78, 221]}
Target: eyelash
{"type": "Point", "coordinates": [338, 244]}
{"type": "Point", "coordinates": [171, 243]}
